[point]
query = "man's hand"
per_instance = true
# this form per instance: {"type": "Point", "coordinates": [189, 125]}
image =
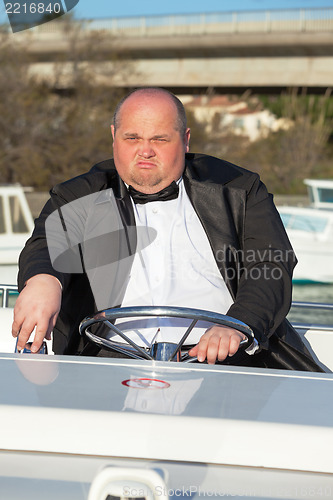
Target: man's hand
{"type": "Point", "coordinates": [38, 305]}
{"type": "Point", "coordinates": [217, 342]}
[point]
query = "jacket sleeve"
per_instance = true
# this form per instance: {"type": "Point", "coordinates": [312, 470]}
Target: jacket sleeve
{"type": "Point", "coordinates": [35, 258]}
{"type": "Point", "coordinates": [265, 266]}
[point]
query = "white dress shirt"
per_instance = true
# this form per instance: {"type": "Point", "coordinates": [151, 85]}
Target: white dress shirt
{"type": "Point", "coordinates": [177, 268]}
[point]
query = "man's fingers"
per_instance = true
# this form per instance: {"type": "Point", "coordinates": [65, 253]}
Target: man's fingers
{"type": "Point", "coordinates": [43, 331]}
{"type": "Point", "coordinates": [16, 326]}
{"type": "Point", "coordinates": [208, 347]}
{"type": "Point", "coordinates": [38, 340]}
{"type": "Point", "coordinates": [202, 348]}
{"type": "Point", "coordinates": [24, 333]}
{"type": "Point", "coordinates": [194, 351]}
{"type": "Point", "coordinates": [223, 349]}
{"type": "Point", "coordinates": [36, 308]}
{"type": "Point", "coordinates": [217, 343]}
{"type": "Point", "coordinates": [235, 340]}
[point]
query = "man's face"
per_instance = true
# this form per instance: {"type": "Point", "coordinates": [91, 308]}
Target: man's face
{"type": "Point", "coordinates": [149, 152]}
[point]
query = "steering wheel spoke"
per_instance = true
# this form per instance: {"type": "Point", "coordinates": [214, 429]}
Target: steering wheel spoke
{"type": "Point", "coordinates": [164, 351]}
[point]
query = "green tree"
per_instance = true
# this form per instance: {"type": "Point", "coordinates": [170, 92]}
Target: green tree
{"type": "Point", "coordinates": [50, 132]}
{"type": "Point", "coordinates": [301, 149]}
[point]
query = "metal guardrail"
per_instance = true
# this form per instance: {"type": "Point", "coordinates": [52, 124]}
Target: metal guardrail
{"type": "Point", "coordinates": [315, 306]}
{"type": "Point", "coordinates": [265, 21]}
{"type": "Point", "coordinates": [312, 326]}
{"type": "Point", "coordinates": [312, 305]}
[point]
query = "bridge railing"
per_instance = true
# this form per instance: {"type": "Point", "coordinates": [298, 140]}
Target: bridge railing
{"type": "Point", "coordinates": [290, 20]}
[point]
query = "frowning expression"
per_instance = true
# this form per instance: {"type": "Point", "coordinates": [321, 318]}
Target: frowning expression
{"type": "Point", "coordinates": [149, 150]}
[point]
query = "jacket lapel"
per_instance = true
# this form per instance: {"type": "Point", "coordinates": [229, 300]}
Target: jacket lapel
{"type": "Point", "coordinates": [221, 210]}
{"type": "Point", "coordinates": [110, 244]}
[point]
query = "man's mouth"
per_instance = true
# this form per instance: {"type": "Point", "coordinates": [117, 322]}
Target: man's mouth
{"type": "Point", "coordinates": [145, 164]}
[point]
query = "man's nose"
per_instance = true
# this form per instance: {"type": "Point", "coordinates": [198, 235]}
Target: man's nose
{"type": "Point", "coordinates": [146, 150]}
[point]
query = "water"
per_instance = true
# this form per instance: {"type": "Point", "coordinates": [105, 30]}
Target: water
{"type": "Point", "coordinates": [312, 293]}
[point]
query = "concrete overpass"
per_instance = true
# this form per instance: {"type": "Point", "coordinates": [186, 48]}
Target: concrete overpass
{"type": "Point", "coordinates": [226, 51]}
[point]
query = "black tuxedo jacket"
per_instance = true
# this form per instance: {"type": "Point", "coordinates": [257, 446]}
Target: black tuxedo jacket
{"type": "Point", "coordinates": [247, 238]}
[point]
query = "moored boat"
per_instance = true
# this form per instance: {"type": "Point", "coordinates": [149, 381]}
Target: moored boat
{"type": "Point", "coordinates": [16, 222]}
{"type": "Point", "coordinates": [16, 225]}
{"type": "Point", "coordinates": [310, 230]}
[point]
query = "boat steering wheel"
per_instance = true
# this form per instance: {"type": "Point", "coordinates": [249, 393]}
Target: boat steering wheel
{"type": "Point", "coordinates": [162, 351]}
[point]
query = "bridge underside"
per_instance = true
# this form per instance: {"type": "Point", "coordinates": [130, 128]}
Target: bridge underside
{"type": "Point", "coordinates": [236, 72]}
{"type": "Point", "coordinates": [197, 73]}
{"type": "Point", "coordinates": [266, 61]}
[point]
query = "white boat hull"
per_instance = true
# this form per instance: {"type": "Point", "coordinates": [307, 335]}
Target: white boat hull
{"type": "Point", "coordinates": [315, 260]}
{"type": "Point", "coordinates": [310, 231]}
{"type": "Point", "coordinates": [10, 251]}
{"type": "Point", "coordinates": [157, 430]}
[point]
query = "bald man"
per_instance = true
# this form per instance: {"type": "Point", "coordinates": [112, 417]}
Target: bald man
{"type": "Point", "coordinates": [218, 243]}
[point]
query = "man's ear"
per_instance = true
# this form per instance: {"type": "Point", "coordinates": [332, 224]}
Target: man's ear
{"type": "Point", "coordinates": [187, 140]}
{"type": "Point", "coordinates": [112, 131]}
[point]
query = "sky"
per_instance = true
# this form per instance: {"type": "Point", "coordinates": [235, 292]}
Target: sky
{"type": "Point", "coordinates": [114, 8]}
{"type": "Point", "coordinates": [97, 9]}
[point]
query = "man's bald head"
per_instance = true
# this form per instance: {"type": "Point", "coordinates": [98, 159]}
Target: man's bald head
{"type": "Point", "coordinates": [149, 145]}
{"type": "Point", "coordinates": [181, 122]}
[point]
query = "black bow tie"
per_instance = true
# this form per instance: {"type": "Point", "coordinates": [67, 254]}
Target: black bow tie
{"type": "Point", "coordinates": [168, 193]}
